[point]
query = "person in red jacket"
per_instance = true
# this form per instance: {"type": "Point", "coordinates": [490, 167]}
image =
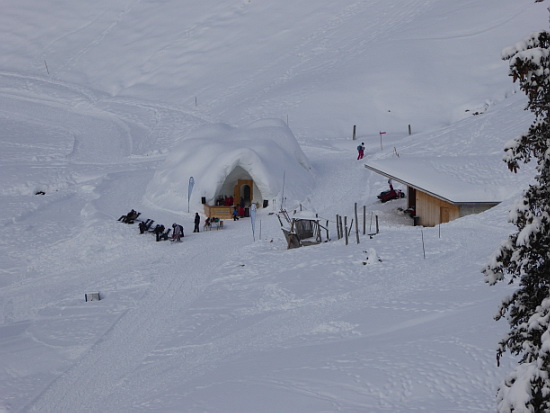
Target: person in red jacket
{"type": "Point", "coordinates": [361, 151]}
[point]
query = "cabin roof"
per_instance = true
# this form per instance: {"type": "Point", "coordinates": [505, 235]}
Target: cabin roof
{"type": "Point", "coordinates": [455, 179]}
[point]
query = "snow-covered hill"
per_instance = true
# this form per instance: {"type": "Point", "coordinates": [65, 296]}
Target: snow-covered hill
{"type": "Point", "coordinates": [95, 96]}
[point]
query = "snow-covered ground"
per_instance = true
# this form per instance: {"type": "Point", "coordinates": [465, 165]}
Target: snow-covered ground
{"type": "Point", "coordinates": [93, 98]}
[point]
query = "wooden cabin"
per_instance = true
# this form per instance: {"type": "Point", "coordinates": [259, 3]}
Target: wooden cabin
{"type": "Point", "coordinates": [432, 210]}
{"type": "Point", "coordinates": [436, 191]}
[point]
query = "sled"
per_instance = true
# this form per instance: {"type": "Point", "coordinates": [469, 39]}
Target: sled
{"type": "Point", "coordinates": [390, 194]}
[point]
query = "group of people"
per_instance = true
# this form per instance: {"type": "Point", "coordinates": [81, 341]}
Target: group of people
{"type": "Point", "coordinates": [209, 221]}
{"type": "Point", "coordinates": [240, 212]}
{"type": "Point", "coordinates": [225, 201]}
{"type": "Point", "coordinates": [177, 229]}
{"type": "Point", "coordinates": [159, 230]}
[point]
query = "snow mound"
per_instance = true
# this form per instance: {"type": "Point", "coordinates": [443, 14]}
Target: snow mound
{"type": "Point", "coordinates": [265, 151]}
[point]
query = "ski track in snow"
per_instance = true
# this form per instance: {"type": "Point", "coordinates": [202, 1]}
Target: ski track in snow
{"type": "Point", "coordinates": [175, 323]}
{"type": "Point", "coordinates": [139, 354]}
{"type": "Point", "coordinates": [303, 59]}
{"type": "Point", "coordinates": [167, 342]}
{"type": "Point", "coordinates": [135, 335]}
{"type": "Point", "coordinates": [129, 127]}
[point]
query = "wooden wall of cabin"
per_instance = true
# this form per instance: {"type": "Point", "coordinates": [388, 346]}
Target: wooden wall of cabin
{"type": "Point", "coordinates": [433, 211]}
{"type": "Point", "coordinates": [222, 212]}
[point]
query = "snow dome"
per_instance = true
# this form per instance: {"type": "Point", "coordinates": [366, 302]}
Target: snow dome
{"type": "Point", "coordinates": [264, 155]}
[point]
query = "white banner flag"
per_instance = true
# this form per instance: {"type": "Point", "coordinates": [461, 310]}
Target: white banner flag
{"type": "Point", "coordinates": [189, 190]}
{"type": "Point", "coordinates": [253, 219]}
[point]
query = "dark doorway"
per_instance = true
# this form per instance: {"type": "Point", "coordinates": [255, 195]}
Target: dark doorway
{"type": "Point", "coordinates": [246, 194]}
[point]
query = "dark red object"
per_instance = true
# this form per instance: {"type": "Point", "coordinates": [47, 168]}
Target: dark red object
{"type": "Point", "coordinates": [390, 194]}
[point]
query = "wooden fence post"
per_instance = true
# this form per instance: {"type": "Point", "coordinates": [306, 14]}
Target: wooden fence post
{"type": "Point", "coordinates": [354, 130]}
{"type": "Point", "coordinates": [364, 219]}
{"type": "Point", "coordinates": [346, 229]}
{"type": "Point", "coordinates": [370, 225]}
{"type": "Point", "coordinates": [356, 224]}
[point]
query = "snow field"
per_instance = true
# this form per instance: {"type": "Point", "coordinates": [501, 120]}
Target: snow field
{"type": "Point", "coordinates": [93, 99]}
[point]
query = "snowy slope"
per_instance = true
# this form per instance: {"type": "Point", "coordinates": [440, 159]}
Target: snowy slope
{"type": "Point", "coordinates": [327, 66]}
{"type": "Point", "coordinates": [93, 99]}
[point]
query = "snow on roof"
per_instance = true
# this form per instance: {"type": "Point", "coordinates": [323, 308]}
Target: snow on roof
{"type": "Point", "coordinates": [265, 151]}
{"type": "Point", "coordinates": [457, 179]}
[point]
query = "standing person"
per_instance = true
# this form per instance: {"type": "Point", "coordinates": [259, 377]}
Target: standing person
{"type": "Point", "coordinates": [197, 222]}
{"type": "Point", "coordinates": [235, 214]}
{"type": "Point", "coordinates": [177, 232]}
{"type": "Point", "coordinates": [361, 151]}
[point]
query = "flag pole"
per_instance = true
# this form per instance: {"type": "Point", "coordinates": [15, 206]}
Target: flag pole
{"type": "Point", "coordinates": [381, 133]}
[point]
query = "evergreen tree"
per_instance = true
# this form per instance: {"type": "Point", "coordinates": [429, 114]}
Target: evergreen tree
{"type": "Point", "coordinates": [524, 258]}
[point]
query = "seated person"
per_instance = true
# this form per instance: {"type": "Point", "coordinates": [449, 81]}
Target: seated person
{"type": "Point", "coordinates": [159, 229]}
{"type": "Point", "coordinates": [129, 217]}
{"type": "Point", "coordinates": [132, 216]}
{"type": "Point", "coordinates": [142, 227]}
